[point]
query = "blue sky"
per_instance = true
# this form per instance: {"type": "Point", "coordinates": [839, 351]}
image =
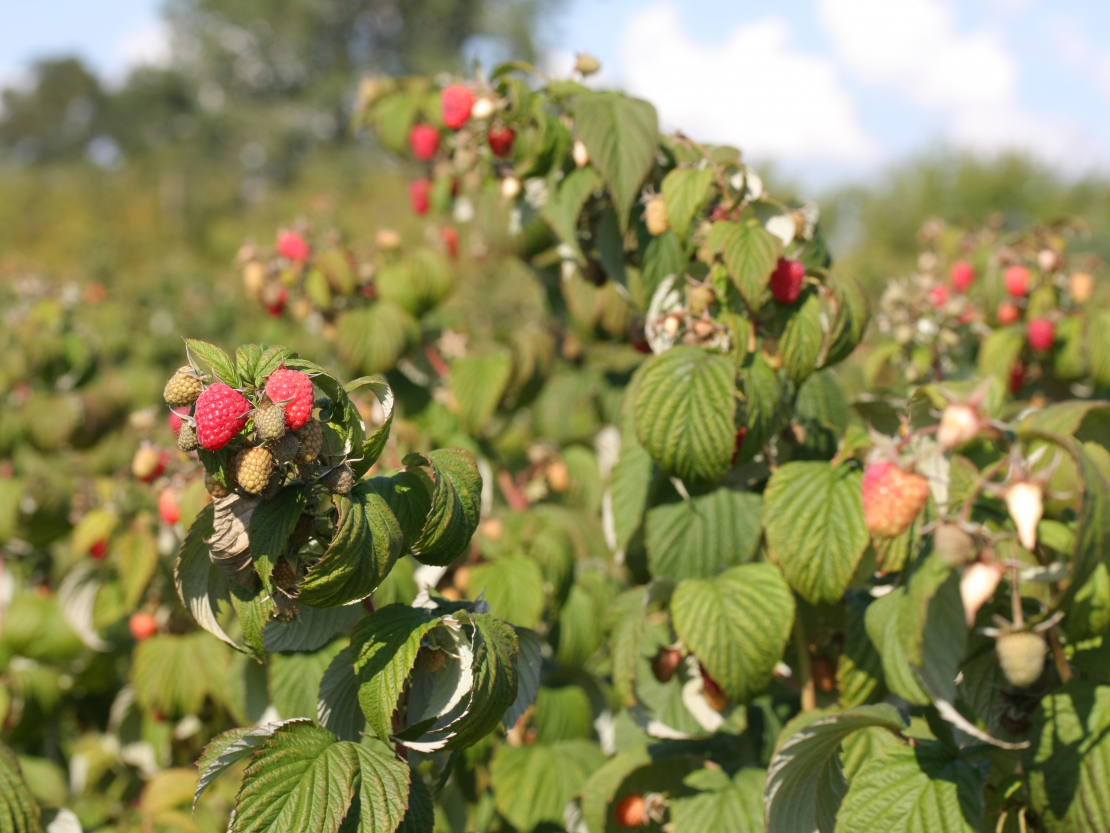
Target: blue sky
{"type": "Point", "coordinates": [828, 89]}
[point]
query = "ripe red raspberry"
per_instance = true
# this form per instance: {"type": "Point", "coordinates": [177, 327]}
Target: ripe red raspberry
{"type": "Point", "coordinates": [293, 388]}
{"type": "Point", "coordinates": [1017, 281]}
{"type": "Point", "coordinates": [1008, 313]}
{"type": "Point", "coordinates": [629, 811]}
{"type": "Point", "coordinates": [420, 192]}
{"type": "Point", "coordinates": [963, 275]}
{"type": "Point", "coordinates": [183, 388]}
{"type": "Point", "coordinates": [787, 279]}
{"type": "Point", "coordinates": [450, 239]}
{"type": "Point", "coordinates": [501, 140]}
{"type": "Point", "coordinates": [312, 441]}
{"type": "Point", "coordinates": [891, 498]}
{"type": "Point", "coordinates": [142, 626]}
{"type": "Point", "coordinates": [99, 549]}
{"type": "Point", "coordinates": [167, 506]}
{"type": "Point", "coordinates": [456, 103]}
{"type": "Point", "coordinates": [221, 413]}
{"type": "Point", "coordinates": [423, 141]}
{"type": "Point", "coordinates": [293, 246]}
{"type": "Point", "coordinates": [938, 296]}
{"type": "Point", "coordinates": [252, 468]}
{"type": "Point", "coordinates": [1041, 333]}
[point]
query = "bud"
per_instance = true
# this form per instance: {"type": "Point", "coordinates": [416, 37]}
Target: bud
{"type": "Point", "coordinates": [483, 108]}
{"type": "Point", "coordinates": [1025, 500]}
{"type": "Point", "coordinates": [977, 585]}
{"type": "Point", "coordinates": [958, 425]}
{"type": "Point", "coordinates": [586, 64]}
{"type": "Point", "coordinates": [580, 154]}
{"type": "Point", "coordinates": [510, 187]}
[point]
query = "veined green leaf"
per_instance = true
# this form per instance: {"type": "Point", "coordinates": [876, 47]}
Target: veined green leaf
{"type": "Point", "coordinates": [456, 499]}
{"type": "Point", "coordinates": [532, 784]}
{"type": "Point", "coordinates": [221, 363]}
{"type": "Point", "coordinates": [699, 537]}
{"type": "Point", "coordinates": [750, 253]}
{"type": "Point", "coordinates": [684, 190]}
{"type": "Point", "coordinates": [19, 812]}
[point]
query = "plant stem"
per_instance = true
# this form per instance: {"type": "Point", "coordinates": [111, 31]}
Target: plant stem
{"type": "Point", "coordinates": [1058, 656]}
{"type": "Point", "coordinates": [805, 667]}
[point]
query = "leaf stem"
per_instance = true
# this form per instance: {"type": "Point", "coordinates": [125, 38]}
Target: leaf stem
{"type": "Point", "coordinates": [805, 667]}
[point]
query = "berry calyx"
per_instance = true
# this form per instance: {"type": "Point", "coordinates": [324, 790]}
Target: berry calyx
{"type": "Point", "coordinates": [629, 811]}
{"type": "Point", "coordinates": [1017, 281]}
{"type": "Point", "coordinates": [1021, 655]}
{"type": "Point", "coordinates": [938, 296]}
{"type": "Point", "coordinates": [423, 141]}
{"type": "Point", "coordinates": [962, 275]}
{"type": "Point", "coordinates": [221, 413]}
{"type": "Point", "coordinates": [291, 245]}
{"type": "Point", "coordinates": [456, 102]}
{"type": "Point", "coordinates": [500, 140]}
{"type": "Point", "coordinates": [142, 626]}
{"type": "Point", "coordinates": [420, 191]}
{"type": "Point", "coordinates": [167, 506]}
{"type": "Point", "coordinates": [892, 497]}
{"type": "Point", "coordinates": [655, 216]}
{"type": "Point", "coordinates": [787, 279]}
{"type": "Point", "coordinates": [252, 468]}
{"type": "Point", "coordinates": [665, 663]}
{"type": "Point", "coordinates": [1008, 313]}
{"type": "Point", "coordinates": [1041, 333]}
{"type": "Point", "coordinates": [293, 389]}
{"type": "Point", "coordinates": [183, 388]}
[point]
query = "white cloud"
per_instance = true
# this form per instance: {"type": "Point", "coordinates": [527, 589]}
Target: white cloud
{"type": "Point", "coordinates": [147, 45]}
{"type": "Point", "coordinates": [753, 89]}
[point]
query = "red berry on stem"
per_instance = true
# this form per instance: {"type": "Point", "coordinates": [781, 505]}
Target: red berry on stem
{"type": "Point", "coordinates": [938, 296]}
{"type": "Point", "coordinates": [1017, 281]}
{"type": "Point", "coordinates": [450, 239]}
{"type": "Point", "coordinates": [420, 191]}
{"type": "Point", "coordinates": [1008, 313]}
{"type": "Point", "coordinates": [501, 140]}
{"type": "Point", "coordinates": [423, 141]}
{"type": "Point", "coordinates": [168, 508]}
{"type": "Point", "coordinates": [629, 811]}
{"type": "Point", "coordinates": [293, 246]}
{"type": "Point", "coordinates": [962, 275]}
{"type": "Point", "coordinates": [142, 626]}
{"type": "Point", "coordinates": [295, 389]}
{"type": "Point", "coordinates": [1041, 333]}
{"type": "Point", "coordinates": [457, 102]}
{"type": "Point", "coordinates": [221, 413]}
{"type": "Point", "coordinates": [99, 549]}
{"type": "Point", "coordinates": [787, 279]}
{"type": "Point", "coordinates": [892, 497]}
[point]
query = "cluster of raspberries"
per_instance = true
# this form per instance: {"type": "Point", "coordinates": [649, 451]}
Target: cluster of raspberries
{"type": "Point", "coordinates": [271, 435]}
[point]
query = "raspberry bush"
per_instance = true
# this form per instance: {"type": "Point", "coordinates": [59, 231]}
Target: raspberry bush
{"type": "Point", "coordinates": [685, 559]}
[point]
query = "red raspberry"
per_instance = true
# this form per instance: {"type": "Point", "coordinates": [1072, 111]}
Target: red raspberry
{"type": "Point", "coordinates": [99, 549]}
{"type": "Point", "coordinates": [1041, 333]}
{"type": "Point", "coordinates": [142, 626]}
{"type": "Point", "coordinates": [168, 508]}
{"type": "Point", "coordinates": [938, 296]}
{"type": "Point", "coordinates": [787, 279]}
{"type": "Point", "coordinates": [295, 389]}
{"type": "Point", "coordinates": [420, 191]}
{"type": "Point", "coordinates": [1008, 313]}
{"type": "Point", "coordinates": [293, 246]}
{"type": "Point", "coordinates": [456, 103]}
{"type": "Point", "coordinates": [221, 413]}
{"type": "Point", "coordinates": [630, 812]}
{"type": "Point", "coordinates": [1017, 281]}
{"type": "Point", "coordinates": [501, 140]}
{"type": "Point", "coordinates": [423, 141]}
{"type": "Point", "coordinates": [892, 498]}
{"type": "Point", "coordinates": [962, 274]}
{"type": "Point", "coordinates": [450, 239]}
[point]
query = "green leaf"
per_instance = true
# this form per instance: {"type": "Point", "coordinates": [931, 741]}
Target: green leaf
{"type": "Point", "coordinates": [699, 537]}
{"type": "Point", "coordinates": [385, 645]}
{"type": "Point", "coordinates": [581, 622]}
{"type": "Point", "coordinates": [201, 585]}
{"type": "Point", "coordinates": [373, 338]}
{"type": "Point", "coordinates": [19, 812]}
{"type": "Point", "coordinates": [881, 621]}
{"type": "Point", "coordinates": [383, 788]}
{"type": "Point", "coordinates": [750, 253]}
{"type": "Point", "coordinates": [271, 524]}
{"type": "Point", "coordinates": [685, 413]}
{"type": "Point", "coordinates": [763, 398]}
{"type": "Point", "coordinates": [220, 362]}
{"type": "Point", "coordinates": [801, 340]}
{"type": "Point", "coordinates": [528, 667]}
{"type": "Point", "coordinates": [337, 706]}
{"type": "Point", "coordinates": [1070, 776]}
{"type": "Point", "coordinates": [853, 312]}
{"type": "Point", "coordinates": [271, 359]}
{"type": "Point", "coordinates": [1099, 339]}
{"type": "Point", "coordinates": [999, 351]}
{"type": "Point", "coordinates": [138, 560]}
{"type": "Point", "coordinates": [409, 495]}
{"type": "Point", "coordinates": [295, 679]}
{"type": "Point", "coordinates": [246, 360]}
{"type": "Point", "coordinates": [513, 587]}
{"type": "Point", "coordinates": [366, 545]}
{"type": "Point", "coordinates": [684, 191]}
{"type": "Point", "coordinates": [608, 238]}
{"type": "Point", "coordinates": [311, 627]}
{"type": "Point", "coordinates": [495, 680]}
{"type": "Point", "coordinates": [737, 624]}
{"type": "Point", "coordinates": [813, 519]}
{"type": "Point", "coordinates": [456, 503]}
{"type": "Point", "coordinates": [374, 444]}
{"type": "Point", "coordinates": [912, 789]}
{"type": "Point", "coordinates": [532, 784]}
{"type": "Point", "coordinates": [735, 804]}
{"type": "Point", "coordinates": [565, 204]}
{"type": "Point", "coordinates": [253, 608]}
{"type": "Point", "coordinates": [173, 674]}
{"type": "Point", "coordinates": [562, 713]}
{"type": "Point", "coordinates": [661, 258]}
{"type": "Point", "coordinates": [630, 485]}
{"type": "Point", "coordinates": [626, 619]}
{"type": "Point", "coordinates": [227, 748]}
{"type": "Point", "coordinates": [420, 815]}
{"type": "Point", "coordinates": [478, 383]}
{"type": "Point", "coordinates": [932, 626]}
{"type": "Point", "coordinates": [805, 784]}
{"type": "Point", "coordinates": [621, 134]}
{"type": "Point", "coordinates": [859, 674]}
